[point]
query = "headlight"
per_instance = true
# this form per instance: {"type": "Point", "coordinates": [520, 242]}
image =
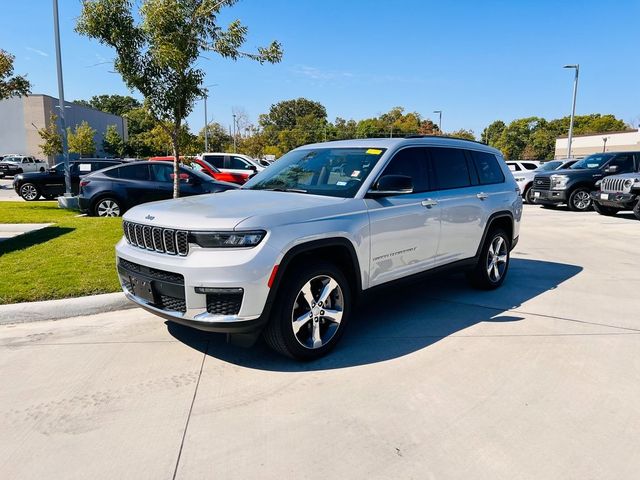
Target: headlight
{"type": "Point", "coordinates": [628, 183]}
{"type": "Point", "coordinates": [520, 179]}
{"type": "Point", "coordinates": [598, 183]}
{"type": "Point", "coordinates": [227, 239]}
{"type": "Point", "coordinates": [559, 182]}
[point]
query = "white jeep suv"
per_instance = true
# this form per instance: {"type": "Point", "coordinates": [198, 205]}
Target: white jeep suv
{"type": "Point", "coordinates": [288, 254]}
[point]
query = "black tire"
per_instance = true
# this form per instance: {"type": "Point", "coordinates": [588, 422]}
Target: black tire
{"type": "Point", "coordinates": [528, 195]}
{"type": "Point", "coordinates": [29, 192]}
{"type": "Point", "coordinates": [107, 207]}
{"type": "Point", "coordinates": [41, 169]}
{"type": "Point", "coordinates": [290, 303]}
{"type": "Point", "coordinates": [580, 200]}
{"type": "Point", "coordinates": [480, 277]}
{"type": "Point", "coordinates": [636, 210]}
{"type": "Point", "coordinates": [603, 210]}
{"type": "Point", "coordinates": [548, 206]}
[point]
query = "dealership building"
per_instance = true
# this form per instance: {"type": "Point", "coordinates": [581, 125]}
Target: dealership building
{"type": "Point", "coordinates": [20, 119]}
{"type": "Point", "coordinates": [583, 145]}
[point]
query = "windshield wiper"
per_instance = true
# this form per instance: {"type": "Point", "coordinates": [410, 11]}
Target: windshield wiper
{"type": "Point", "coordinates": [281, 189]}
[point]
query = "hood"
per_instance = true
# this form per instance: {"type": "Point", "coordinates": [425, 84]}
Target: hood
{"type": "Point", "coordinates": [624, 176]}
{"type": "Point", "coordinates": [12, 162]}
{"type": "Point", "coordinates": [568, 171]}
{"type": "Point", "coordinates": [226, 210]}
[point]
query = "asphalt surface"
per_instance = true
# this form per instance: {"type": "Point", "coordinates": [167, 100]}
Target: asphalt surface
{"type": "Point", "coordinates": [538, 380]}
{"type": "Point", "coordinates": [7, 193]}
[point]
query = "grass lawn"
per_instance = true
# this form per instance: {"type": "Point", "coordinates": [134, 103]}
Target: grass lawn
{"type": "Point", "coordinates": [72, 258]}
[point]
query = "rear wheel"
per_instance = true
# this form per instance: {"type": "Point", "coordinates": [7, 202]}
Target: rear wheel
{"type": "Point", "coordinates": [580, 200]}
{"type": "Point", "coordinates": [493, 263]}
{"type": "Point", "coordinates": [29, 192]}
{"type": "Point", "coordinates": [107, 207]}
{"type": "Point", "coordinates": [603, 210]}
{"type": "Point", "coordinates": [636, 210]}
{"type": "Point", "coordinates": [311, 312]}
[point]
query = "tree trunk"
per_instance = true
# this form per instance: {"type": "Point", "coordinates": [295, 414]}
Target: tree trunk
{"type": "Point", "coordinates": [176, 163]}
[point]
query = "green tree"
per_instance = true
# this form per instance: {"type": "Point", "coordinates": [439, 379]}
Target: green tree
{"type": "Point", "coordinates": [284, 115]}
{"type": "Point", "coordinates": [11, 85]}
{"type": "Point", "coordinates": [462, 133]}
{"type": "Point", "coordinates": [51, 139]}
{"type": "Point", "coordinates": [491, 134]}
{"type": "Point", "coordinates": [112, 142]}
{"type": "Point", "coordinates": [114, 104]}
{"type": "Point", "coordinates": [81, 140]}
{"type": "Point", "coordinates": [218, 138]}
{"type": "Point", "coordinates": [158, 49]}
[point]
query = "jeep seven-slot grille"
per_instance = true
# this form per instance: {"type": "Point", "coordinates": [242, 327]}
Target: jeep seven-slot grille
{"type": "Point", "coordinates": [162, 240]}
{"type": "Point", "coordinates": [542, 183]}
{"type": "Point", "coordinates": [615, 185]}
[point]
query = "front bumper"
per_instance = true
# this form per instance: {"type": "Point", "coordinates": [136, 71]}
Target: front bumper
{"type": "Point", "coordinates": [216, 290]}
{"type": "Point", "coordinates": [549, 197]}
{"type": "Point", "coordinates": [616, 200]}
{"type": "Point", "coordinates": [12, 172]}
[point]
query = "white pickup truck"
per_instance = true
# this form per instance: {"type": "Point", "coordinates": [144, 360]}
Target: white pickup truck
{"type": "Point", "coordinates": [14, 164]}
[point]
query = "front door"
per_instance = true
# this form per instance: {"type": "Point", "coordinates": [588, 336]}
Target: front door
{"type": "Point", "coordinates": [404, 229]}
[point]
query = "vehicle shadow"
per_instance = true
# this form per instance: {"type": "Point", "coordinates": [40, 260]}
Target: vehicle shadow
{"type": "Point", "coordinates": [30, 239]}
{"type": "Point", "coordinates": [400, 320]}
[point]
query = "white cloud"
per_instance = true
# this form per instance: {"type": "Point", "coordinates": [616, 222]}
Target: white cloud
{"type": "Point", "coordinates": [316, 74]}
{"type": "Point", "coordinates": [39, 52]}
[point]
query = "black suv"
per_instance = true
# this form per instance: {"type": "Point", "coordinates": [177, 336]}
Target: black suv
{"type": "Point", "coordinates": [573, 186]}
{"type": "Point", "coordinates": [50, 184]}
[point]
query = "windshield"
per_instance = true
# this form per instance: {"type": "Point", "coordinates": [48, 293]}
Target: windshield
{"type": "Point", "coordinates": [12, 159]}
{"type": "Point", "coordinates": [592, 162]}
{"type": "Point", "coordinates": [334, 172]}
{"type": "Point", "coordinates": [546, 167]}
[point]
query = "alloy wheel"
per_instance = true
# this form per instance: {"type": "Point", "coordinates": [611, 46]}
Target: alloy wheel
{"type": "Point", "coordinates": [29, 192]}
{"type": "Point", "coordinates": [108, 208]}
{"type": "Point", "coordinates": [317, 312]}
{"type": "Point", "coordinates": [497, 258]}
{"type": "Point", "coordinates": [581, 200]}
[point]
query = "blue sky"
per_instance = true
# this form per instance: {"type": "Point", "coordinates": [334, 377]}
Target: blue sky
{"type": "Point", "coordinates": [476, 61]}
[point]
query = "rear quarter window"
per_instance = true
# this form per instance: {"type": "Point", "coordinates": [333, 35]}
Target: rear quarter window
{"type": "Point", "coordinates": [450, 168]}
{"type": "Point", "coordinates": [488, 168]}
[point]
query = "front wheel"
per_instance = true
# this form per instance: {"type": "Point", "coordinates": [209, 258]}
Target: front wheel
{"type": "Point", "coordinates": [603, 210]}
{"type": "Point", "coordinates": [528, 196]}
{"type": "Point", "coordinates": [29, 192]}
{"type": "Point", "coordinates": [493, 263]}
{"type": "Point", "coordinates": [580, 200]}
{"type": "Point", "coordinates": [107, 207]}
{"type": "Point", "coordinates": [311, 312]}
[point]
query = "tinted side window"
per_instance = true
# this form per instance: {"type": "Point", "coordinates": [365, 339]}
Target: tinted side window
{"type": "Point", "coordinates": [161, 172]}
{"type": "Point", "coordinates": [113, 173]}
{"type": "Point", "coordinates": [135, 172]}
{"type": "Point", "coordinates": [238, 163]}
{"type": "Point", "coordinates": [488, 168]}
{"type": "Point", "coordinates": [450, 167]}
{"type": "Point", "coordinates": [215, 160]}
{"type": "Point", "coordinates": [411, 162]}
{"type": "Point", "coordinates": [530, 166]}
{"type": "Point", "coordinates": [623, 162]}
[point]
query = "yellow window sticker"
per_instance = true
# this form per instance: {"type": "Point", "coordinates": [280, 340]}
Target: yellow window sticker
{"type": "Point", "coordinates": [374, 151]}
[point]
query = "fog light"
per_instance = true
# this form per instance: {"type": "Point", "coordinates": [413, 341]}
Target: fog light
{"type": "Point", "coordinates": [215, 290]}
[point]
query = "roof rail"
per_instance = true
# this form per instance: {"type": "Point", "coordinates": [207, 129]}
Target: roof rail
{"type": "Point", "coordinates": [447, 136]}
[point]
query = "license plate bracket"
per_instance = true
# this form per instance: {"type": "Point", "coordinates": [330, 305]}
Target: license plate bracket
{"type": "Point", "coordinates": [536, 194]}
{"type": "Point", "coordinates": [142, 288]}
{"type": "Point", "coordinates": [604, 196]}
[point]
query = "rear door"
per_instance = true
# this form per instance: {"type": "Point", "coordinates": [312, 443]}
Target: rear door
{"type": "Point", "coordinates": [404, 229]}
{"type": "Point", "coordinates": [133, 184]}
{"type": "Point", "coordinates": [239, 166]}
{"type": "Point", "coordinates": [463, 202]}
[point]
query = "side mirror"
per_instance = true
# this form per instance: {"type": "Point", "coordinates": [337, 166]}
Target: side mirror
{"type": "Point", "coordinates": [611, 169]}
{"type": "Point", "coordinates": [392, 185]}
{"type": "Point", "coordinates": [253, 168]}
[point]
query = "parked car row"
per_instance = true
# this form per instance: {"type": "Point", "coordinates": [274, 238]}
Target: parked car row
{"type": "Point", "coordinates": [525, 171]}
{"type": "Point", "coordinates": [608, 182]}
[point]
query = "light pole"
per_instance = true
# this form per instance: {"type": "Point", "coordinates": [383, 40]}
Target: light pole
{"type": "Point", "coordinates": [234, 134]}
{"type": "Point", "coordinates": [604, 146]}
{"type": "Point", "coordinates": [439, 112]}
{"type": "Point", "coordinates": [63, 125]}
{"type": "Point", "coordinates": [573, 106]}
{"type": "Point", "coordinates": [206, 118]}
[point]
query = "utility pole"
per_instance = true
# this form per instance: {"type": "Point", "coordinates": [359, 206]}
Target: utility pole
{"type": "Point", "coordinates": [206, 125]}
{"type": "Point", "coordinates": [234, 134]}
{"type": "Point", "coordinates": [573, 106]}
{"type": "Point", "coordinates": [63, 125]}
{"type": "Point", "coordinates": [604, 146]}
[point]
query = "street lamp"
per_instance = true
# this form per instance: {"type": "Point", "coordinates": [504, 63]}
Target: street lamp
{"type": "Point", "coordinates": [234, 134]}
{"type": "Point", "coordinates": [61, 106]}
{"type": "Point", "coordinates": [439, 112]}
{"type": "Point", "coordinates": [604, 146]}
{"type": "Point", "coordinates": [573, 106]}
{"type": "Point", "coordinates": [206, 119]}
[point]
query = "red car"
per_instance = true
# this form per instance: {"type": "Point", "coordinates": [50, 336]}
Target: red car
{"type": "Point", "coordinates": [205, 167]}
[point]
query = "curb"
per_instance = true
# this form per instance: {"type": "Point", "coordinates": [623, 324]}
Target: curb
{"type": "Point", "coordinates": [64, 308]}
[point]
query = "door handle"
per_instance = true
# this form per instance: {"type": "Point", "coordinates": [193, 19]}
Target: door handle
{"type": "Point", "coordinates": [482, 196]}
{"type": "Point", "coordinates": [428, 203]}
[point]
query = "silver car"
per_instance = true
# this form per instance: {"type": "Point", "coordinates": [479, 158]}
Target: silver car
{"type": "Point", "coordinates": [288, 254]}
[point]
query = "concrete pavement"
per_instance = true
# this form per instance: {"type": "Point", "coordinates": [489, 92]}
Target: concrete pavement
{"type": "Point", "coordinates": [539, 379]}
